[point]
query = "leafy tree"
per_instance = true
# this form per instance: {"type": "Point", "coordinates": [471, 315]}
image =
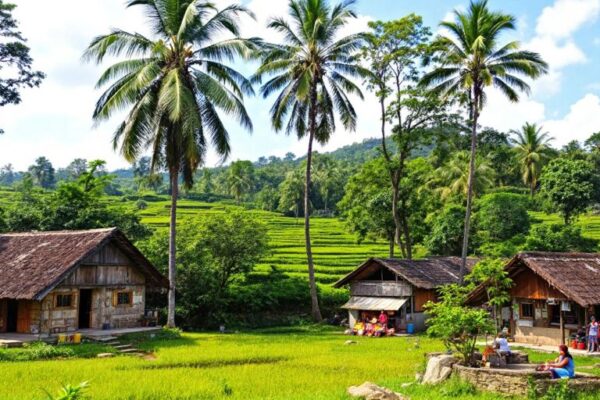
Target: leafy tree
{"type": "Point", "coordinates": [533, 151]}
{"type": "Point", "coordinates": [212, 252]}
{"type": "Point", "coordinates": [43, 173]}
{"type": "Point", "coordinates": [292, 193]}
{"type": "Point", "coordinates": [492, 274]}
{"type": "Point", "coordinates": [173, 84]}
{"type": "Point", "coordinates": [445, 234]}
{"type": "Point", "coordinates": [76, 168]}
{"type": "Point", "coordinates": [452, 178]}
{"type": "Point", "coordinates": [310, 71]}
{"type": "Point", "coordinates": [240, 178]}
{"type": "Point", "coordinates": [328, 179]}
{"type": "Point", "coordinates": [457, 325]}
{"type": "Point", "coordinates": [559, 238]}
{"type": "Point", "coordinates": [570, 186]}
{"type": "Point", "coordinates": [15, 61]}
{"type": "Point", "coordinates": [206, 181]}
{"type": "Point", "coordinates": [593, 142]}
{"type": "Point", "coordinates": [393, 51]}
{"type": "Point", "coordinates": [471, 59]}
{"type": "Point", "coordinates": [502, 216]}
{"type": "Point", "coordinates": [7, 175]}
{"type": "Point", "coordinates": [268, 198]}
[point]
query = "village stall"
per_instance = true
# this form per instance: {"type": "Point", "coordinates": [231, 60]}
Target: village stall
{"type": "Point", "coordinates": [53, 282]}
{"type": "Point", "coordinates": [398, 287]}
{"type": "Point", "coordinates": [552, 297]}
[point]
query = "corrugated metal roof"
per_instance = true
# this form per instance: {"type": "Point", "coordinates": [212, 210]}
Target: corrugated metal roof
{"type": "Point", "coordinates": [375, 303]}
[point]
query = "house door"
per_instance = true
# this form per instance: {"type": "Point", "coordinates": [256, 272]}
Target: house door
{"type": "Point", "coordinates": [12, 308]}
{"type": "Point", "coordinates": [85, 308]}
{"type": "Point", "coordinates": [24, 316]}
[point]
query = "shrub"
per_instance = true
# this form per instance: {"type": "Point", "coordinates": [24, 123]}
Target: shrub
{"type": "Point", "coordinates": [70, 392]}
{"type": "Point", "coordinates": [492, 212]}
{"type": "Point", "coordinates": [446, 233]}
{"type": "Point", "coordinates": [556, 237]}
{"type": "Point", "coordinates": [36, 351]}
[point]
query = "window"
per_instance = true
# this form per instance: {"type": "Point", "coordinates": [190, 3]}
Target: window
{"type": "Point", "coordinates": [63, 300]}
{"type": "Point", "coordinates": [527, 311]}
{"type": "Point", "coordinates": [124, 299]}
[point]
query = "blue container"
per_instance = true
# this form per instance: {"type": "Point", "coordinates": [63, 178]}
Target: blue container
{"type": "Point", "coordinates": [410, 328]}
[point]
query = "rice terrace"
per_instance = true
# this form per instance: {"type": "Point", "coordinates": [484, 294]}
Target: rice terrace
{"type": "Point", "coordinates": [299, 199]}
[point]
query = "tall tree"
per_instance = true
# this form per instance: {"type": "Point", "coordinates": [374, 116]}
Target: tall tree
{"type": "Point", "coordinates": [173, 84]}
{"type": "Point", "coordinates": [452, 178]}
{"type": "Point", "coordinates": [394, 52]}
{"type": "Point", "coordinates": [15, 61]}
{"type": "Point", "coordinates": [311, 72]}
{"type": "Point", "coordinates": [7, 175]}
{"type": "Point", "coordinates": [533, 151]}
{"type": "Point", "coordinates": [471, 59]}
{"type": "Point", "coordinates": [43, 172]}
{"type": "Point", "coordinates": [76, 168]}
{"type": "Point", "coordinates": [240, 179]}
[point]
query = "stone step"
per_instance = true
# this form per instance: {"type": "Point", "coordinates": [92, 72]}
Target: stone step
{"type": "Point", "coordinates": [129, 351]}
{"type": "Point", "coordinates": [123, 346]}
{"type": "Point", "coordinates": [115, 343]}
{"type": "Point", "coordinates": [103, 339]}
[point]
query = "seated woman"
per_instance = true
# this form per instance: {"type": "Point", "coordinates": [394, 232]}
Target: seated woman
{"type": "Point", "coordinates": [562, 367]}
{"type": "Point", "coordinates": [501, 345]}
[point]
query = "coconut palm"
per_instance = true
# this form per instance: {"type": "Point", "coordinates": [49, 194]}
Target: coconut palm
{"type": "Point", "coordinates": [172, 85]}
{"type": "Point", "coordinates": [311, 71]}
{"type": "Point", "coordinates": [471, 59]}
{"type": "Point", "coordinates": [533, 150]}
{"type": "Point", "coordinates": [240, 179]}
{"type": "Point", "coordinates": [452, 178]}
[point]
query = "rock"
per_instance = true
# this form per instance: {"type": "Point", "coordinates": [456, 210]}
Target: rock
{"type": "Point", "coordinates": [370, 391]}
{"type": "Point", "coordinates": [105, 355]}
{"type": "Point", "coordinates": [407, 384]}
{"type": "Point", "coordinates": [347, 342]}
{"type": "Point", "coordinates": [419, 377]}
{"type": "Point", "coordinates": [439, 368]}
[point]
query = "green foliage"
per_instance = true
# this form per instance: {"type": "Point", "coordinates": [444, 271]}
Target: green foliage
{"type": "Point", "coordinates": [570, 186]}
{"type": "Point", "coordinates": [211, 253]}
{"type": "Point", "coordinates": [533, 151]}
{"type": "Point", "coordinates": [502, 216]}
{"type": "Point", "coordinates": [36, 351]}
{"type": "Point", "coordinates": [15, 60]}
{"type": "Point", "coordinates": [457, 325]}
{"type": "Point", "coordinates": [240, 179]}
{"type": "Point", "coordinates": [560, 391]}
{"type": "Point", "coordinates": [42, 173]}
{"type": "Point", "coordinates": [558, 237]}
{"type": "Point", "coordinates": [446, 231]}
{"type": "Point", "coordinates": [70, 392]}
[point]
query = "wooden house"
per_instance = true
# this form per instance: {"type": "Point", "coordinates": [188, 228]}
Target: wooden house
{"type": "Point", "coordinates": [552, 297]}
{"type": "Point", "coordinates": [399, 287]}
{"type": "Point", "coordinates": [64, 281]}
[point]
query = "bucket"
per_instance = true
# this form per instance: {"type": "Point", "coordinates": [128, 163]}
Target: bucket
{"type": "Point", "coordinates": [77, 338]}
{"type": "Point", "coordinates": [410, 328]}
{"type": "Point", "coordinates": [574, 344]}
{"type": "Point", "coordinates": [581, 346]}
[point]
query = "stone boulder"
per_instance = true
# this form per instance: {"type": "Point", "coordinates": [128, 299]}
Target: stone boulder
{"type": "Point", "coordinates": [370, 391]}
{"type": "Point", "coordinates": [439, 368]}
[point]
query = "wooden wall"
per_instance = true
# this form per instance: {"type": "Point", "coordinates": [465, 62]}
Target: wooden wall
{"type": "Point", "coordinates": [422, 296]}
{"type": "Point", "coordinates": [3, 315]}
{"type": "Point", "coordinates": [528, 285]}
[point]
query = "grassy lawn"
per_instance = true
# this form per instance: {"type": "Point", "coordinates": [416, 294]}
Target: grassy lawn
{"type": "Point", "coordinates": [290, 363]}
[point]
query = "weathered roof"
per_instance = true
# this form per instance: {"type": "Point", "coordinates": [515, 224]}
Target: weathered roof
{"type": "Point", "coordinates": [427, 273]}
{"type": "Point", "coordinates": [33, 263]}
{"type": "Point", "coordinates": [576, 275]}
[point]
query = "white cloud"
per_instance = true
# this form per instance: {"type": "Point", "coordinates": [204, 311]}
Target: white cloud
{"type": "Point", "coordinates": [578, 124]}
{"type": "Point", "coordinates": [504, 115]}
{"type": "Point", "coordinates": [554, 39]}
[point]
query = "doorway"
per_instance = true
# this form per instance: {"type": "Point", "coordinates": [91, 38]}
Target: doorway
{"type": "Point", "coordinates": [85, 308]}
{"type": "Point", "coordinates": [12, 311]}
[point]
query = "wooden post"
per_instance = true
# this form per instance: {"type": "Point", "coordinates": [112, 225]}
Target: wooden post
{"type": "Point", "coordinates": [562, 326]}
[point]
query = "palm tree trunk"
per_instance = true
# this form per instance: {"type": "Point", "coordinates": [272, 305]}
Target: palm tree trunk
{"type": "Point", "coordinates": [172, 248]}
{"type": "Point", "coordinates": [396, 216]}
{"type": "Point", "coordinates": [465, 247]}
{"type": "Point", "coordinates": [392, 246]}
{"type": "Point", "coordinates": [314, 298]}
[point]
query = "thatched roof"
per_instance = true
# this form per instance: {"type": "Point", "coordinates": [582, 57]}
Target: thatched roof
{"type": "Point", "coordinates": [427, 273]}
{"type": "Point", "coordinates": [33, 263]}
{"type": "Point", "coordinates": [576, 275]}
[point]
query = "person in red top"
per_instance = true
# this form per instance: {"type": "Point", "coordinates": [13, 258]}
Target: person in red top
{"type": "Point", "coordinates": [383, 319]}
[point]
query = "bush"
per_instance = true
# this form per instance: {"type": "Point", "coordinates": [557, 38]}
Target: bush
{"type": "Point", "coordinates": [556, 237]}
{"type": "Point", "coordinates": [446, 234]}
{"type": "Point", "coordinates": [493, 210]}
{"type": "Point", "coordinates": [36, 351]}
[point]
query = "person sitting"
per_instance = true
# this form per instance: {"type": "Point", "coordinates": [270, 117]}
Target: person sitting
{"type": "Point", "coordinates": [501, 345]}
{"type": "Point", "coordinates": [383, 319]}
{"type": "Point", "coordinates": [563, 367]}
{"type": "Point", "coordinates": [359, 328]}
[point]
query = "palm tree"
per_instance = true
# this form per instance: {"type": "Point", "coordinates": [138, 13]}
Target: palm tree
{"type": "Point", "coordinates": [311, 72]}
{"type": "Point", "coordinates": [240, 178]}
{"type": "Point", "coordinates": [472, 60]}
{"type": "Point", "coordinates": [533, 150]}
{"type": "Point", "coordinates": [452, 178]}
{"type": "Point", "coordinates": [172, 85]}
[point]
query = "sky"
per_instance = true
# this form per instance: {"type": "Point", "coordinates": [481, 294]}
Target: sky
{"type": "Point", "coordinates": [55, 119]}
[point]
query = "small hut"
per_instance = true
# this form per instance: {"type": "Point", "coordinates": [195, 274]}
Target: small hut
{"type": "Point", "coordinates": [53, 282]}
{"type": "Point", "coordinates": [399, 287]}
{"type": "Point", "coordinates": [552, 297]}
